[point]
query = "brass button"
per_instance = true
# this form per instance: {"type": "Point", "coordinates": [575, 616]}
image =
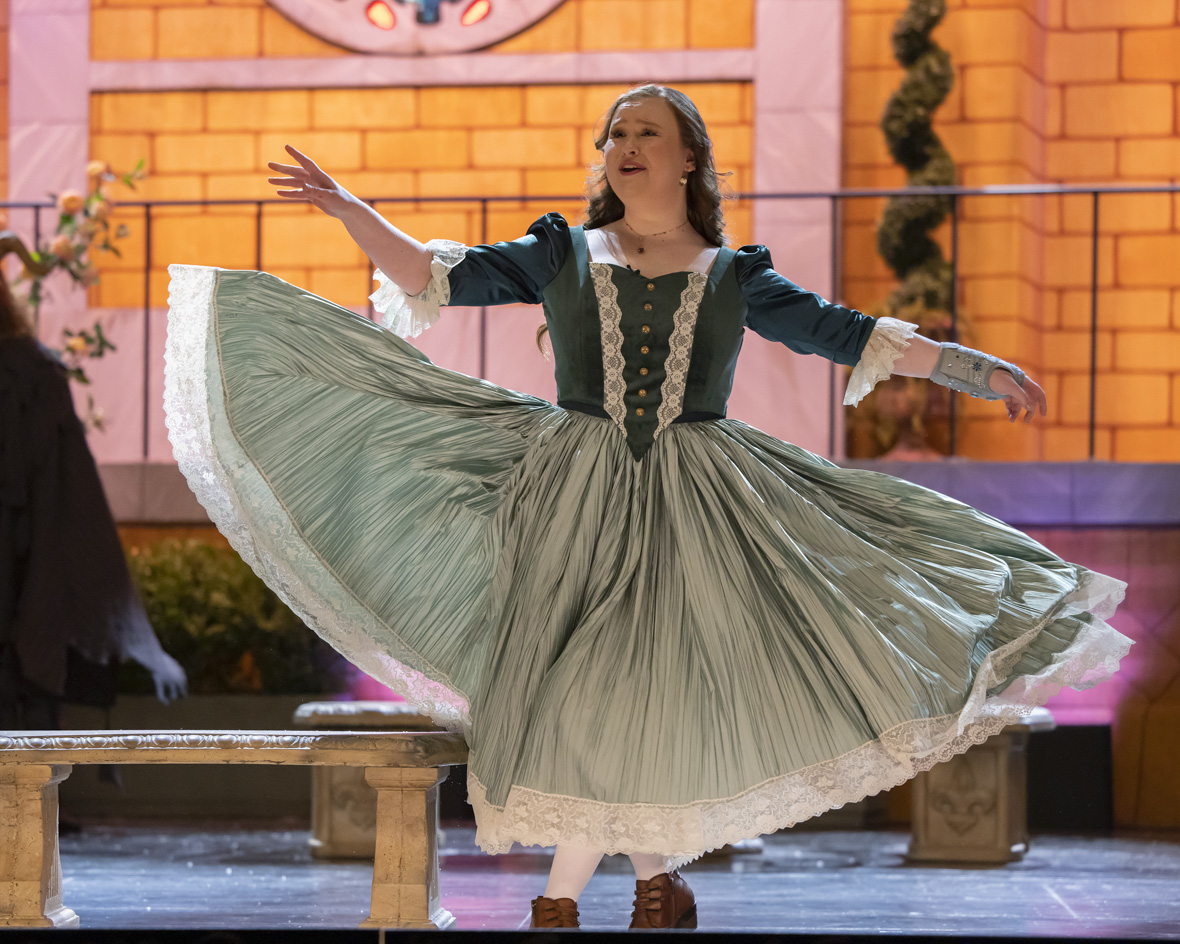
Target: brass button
{"type": "Point", "coordinates": [639, 411]}
{"type": "Point", "coordinates": [643, 393]}
{"type": "Point", "coordinates": [651, 286]}
{"type": "Point", "coordinates": [647, 306]}
{"type": "Point", "coordinates": [646, 329]}
{"type": "Point", "coordinates": [645, 350]}
{"type": "Point", "coordinates": [643, 371]}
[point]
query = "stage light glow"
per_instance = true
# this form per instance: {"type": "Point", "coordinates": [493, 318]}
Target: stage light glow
{"type": "Point", "coordinates": [476, 12]}
{"type": "Point", "coordinates": [380, 15]}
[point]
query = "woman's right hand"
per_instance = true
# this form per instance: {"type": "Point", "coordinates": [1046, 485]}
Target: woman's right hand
{"type": "Point", "coordinates": [313, 185]}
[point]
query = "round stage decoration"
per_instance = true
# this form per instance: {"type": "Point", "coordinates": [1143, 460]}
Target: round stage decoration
{"type": "Point", "coordinates": [415, 27]}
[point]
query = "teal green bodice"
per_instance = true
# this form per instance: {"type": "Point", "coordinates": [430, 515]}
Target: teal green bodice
{"type": "Point", "coordinates": [648, 352]}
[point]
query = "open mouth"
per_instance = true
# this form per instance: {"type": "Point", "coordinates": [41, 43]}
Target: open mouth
{"type": "Point", "coordinates": [630, 168]}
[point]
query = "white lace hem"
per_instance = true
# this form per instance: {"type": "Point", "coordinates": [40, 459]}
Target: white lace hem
{"type": "Point", "coordinates": [684, 832]}
{"type": "Point", "coordinates": [244, 508]}
{"type": "Point", "coordinates": [408, 316]}
{"type": "Point", "coordinates": [889, 340]}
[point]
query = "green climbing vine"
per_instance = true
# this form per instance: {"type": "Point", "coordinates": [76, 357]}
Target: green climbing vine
{"type": "Point", "coordinates": [904, 235]}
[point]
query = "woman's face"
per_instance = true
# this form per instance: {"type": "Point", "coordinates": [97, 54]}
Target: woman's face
{"type": "Point", "coordinates": [643, 153]}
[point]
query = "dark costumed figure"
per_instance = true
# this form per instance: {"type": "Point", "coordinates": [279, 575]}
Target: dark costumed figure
{"type": "Point", "coordinates": [660, 630]}
{"type": "Point", "coordinates": [69, 613]}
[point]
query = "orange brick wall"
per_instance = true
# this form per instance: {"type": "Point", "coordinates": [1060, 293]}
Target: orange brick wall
{"type": "Point", "coordinates": [210, 29]}
{"type": "Point", "coordinates": [430, 142]}
{"type": "Point", "coordinates": [380, 142]}
{"type": "Point", "coordinates": [3, 101]}
{"type": "Point", "coordinates": [1070, 91]}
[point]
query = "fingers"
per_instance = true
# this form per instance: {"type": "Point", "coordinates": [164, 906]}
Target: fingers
{"type": "Point", "coordinates": [284, 181]}
{"type": "Point", "coordinates": [1029, 399]}
{"type": "Point", "coordinates": [1016, 404]}
{"type": "Point", "coordinates": [309, 166]}
{"type": "Point", "coordinates": [307, 162]}
{"type": "Point", "coordinates": [285, 168]}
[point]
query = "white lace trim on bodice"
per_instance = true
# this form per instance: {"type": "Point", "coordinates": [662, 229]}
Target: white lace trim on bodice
{"type": "Point", "coordinates": [889, 340]}
{"type": "Point", "coordinates": [684, 832]}
{"type": "Point", "coordinates": [408, 316]}
{"type": "Point", "coordinates": [684, 323]}
{"type": "Point", "coordinates": [610, 318]}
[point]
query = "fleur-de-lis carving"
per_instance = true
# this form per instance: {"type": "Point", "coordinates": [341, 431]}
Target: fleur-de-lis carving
{"type": "Point", "coordinates": [963, 803]}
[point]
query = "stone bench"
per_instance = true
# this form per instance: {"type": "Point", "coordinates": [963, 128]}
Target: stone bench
{"type": "Point", "coordinates": [404, 767]}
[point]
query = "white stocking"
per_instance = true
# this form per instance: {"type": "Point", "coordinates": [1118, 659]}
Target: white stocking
{"type": "Point", "coordinates": [647, 865]}
{"type": "Point", "coordinates": [571, 870]}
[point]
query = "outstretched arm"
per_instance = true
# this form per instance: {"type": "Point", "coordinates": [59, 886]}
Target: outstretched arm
{"type": "Point", "coordinates": [401, 257]}
{"type": "Point", "coordinates": [780, 310]}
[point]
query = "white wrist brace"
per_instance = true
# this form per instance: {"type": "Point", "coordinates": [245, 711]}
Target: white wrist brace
{"type": "Point", "coordinates": [969, 371]}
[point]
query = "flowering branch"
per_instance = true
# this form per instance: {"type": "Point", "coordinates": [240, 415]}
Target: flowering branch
{"type": "Point", "coordinates": [83, 225]}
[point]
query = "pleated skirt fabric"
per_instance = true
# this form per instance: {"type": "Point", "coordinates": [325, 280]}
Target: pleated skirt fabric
{"type": "Point", "coordinates": [721, 639]}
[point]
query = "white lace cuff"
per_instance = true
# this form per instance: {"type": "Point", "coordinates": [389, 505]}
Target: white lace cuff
{"type": "Point", "coordinates": [889, 340]}
{"type": "Point", "coordinates": [408, 316]}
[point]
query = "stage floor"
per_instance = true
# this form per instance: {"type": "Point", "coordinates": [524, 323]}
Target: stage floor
{"type": "Point", "coordinates": [214, 876]}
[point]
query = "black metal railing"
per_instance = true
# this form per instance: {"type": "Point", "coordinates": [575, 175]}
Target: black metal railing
{"type": "Point", "coordinates": [834, 199]}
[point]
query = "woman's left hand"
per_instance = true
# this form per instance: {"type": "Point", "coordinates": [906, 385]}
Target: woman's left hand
{"type": "Point", "coordinates": [1017, 398]}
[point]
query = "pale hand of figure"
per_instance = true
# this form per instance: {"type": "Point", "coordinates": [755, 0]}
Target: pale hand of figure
{"type": "Point", "coordinates": [401, 257]}
{"type": "Point", "coordinates": [167, 674]}
{"type": "Point", "coordinates": [169, 678]}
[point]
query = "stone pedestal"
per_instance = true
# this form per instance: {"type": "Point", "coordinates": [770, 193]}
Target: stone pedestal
{"type": "Point", "coordinates": [30, 865]}
{"type": "Point", "coordinates": [973, 808]}
{"type": "Point", "coordinates": [343, 802]}
{"type": "Point", "coordinates": [405, 873]}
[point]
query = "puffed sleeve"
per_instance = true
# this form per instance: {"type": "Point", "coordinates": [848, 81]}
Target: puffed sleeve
{"type": "Point", "coordinates": [779, 310]}
{"type": "Point", "coordinates": [503, 273]}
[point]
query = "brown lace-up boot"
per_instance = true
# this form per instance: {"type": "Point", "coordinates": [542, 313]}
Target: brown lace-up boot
{"type": "Point", "coordinates": [665, 901]}
{"type": "Point", "coordinates": [554, 913]}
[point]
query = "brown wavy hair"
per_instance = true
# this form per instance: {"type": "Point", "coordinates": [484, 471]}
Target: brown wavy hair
{"type": "Point", "coordinates": [702, 192]}
{"type": "Point", "coordinates": [13, 322]}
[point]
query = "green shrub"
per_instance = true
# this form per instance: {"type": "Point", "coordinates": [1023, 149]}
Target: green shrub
{"type": "Point", "coordinates": [225, 626]}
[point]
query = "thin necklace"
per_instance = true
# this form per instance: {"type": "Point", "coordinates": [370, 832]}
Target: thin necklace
{"type": "Point", "coordinates": [641, 237]}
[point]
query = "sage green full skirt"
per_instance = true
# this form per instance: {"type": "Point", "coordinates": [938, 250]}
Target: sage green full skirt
{"type": "Point", "coordinates": [721, 639]}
